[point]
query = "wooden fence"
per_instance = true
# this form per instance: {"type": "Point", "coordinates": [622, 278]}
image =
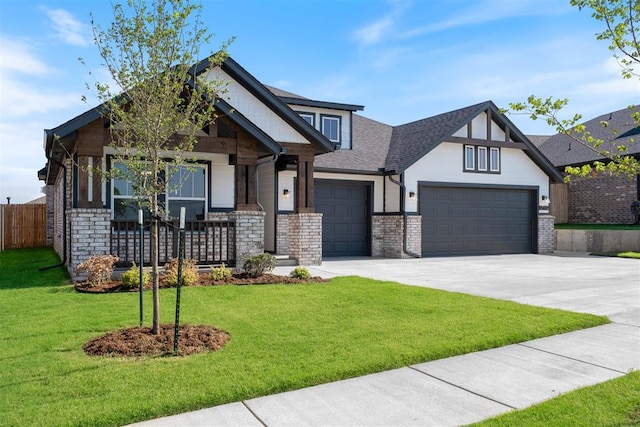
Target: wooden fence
{"type": "Point", "coordinates": [23, 226]}
{"type": "Point", "coordinates": [560, 202]}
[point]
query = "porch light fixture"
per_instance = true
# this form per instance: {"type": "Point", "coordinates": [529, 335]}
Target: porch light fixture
{"type": "Point", "coordinates": [412, 195]}
{"type": "Point", "coordinates": [285, 193]}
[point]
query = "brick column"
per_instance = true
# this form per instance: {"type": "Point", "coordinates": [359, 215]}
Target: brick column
{"type": "Point", "coordinates": [305, 238]}
{"type": "Point", "coordinates": [90, 234]}
{"type": "Point", "coordinates": [388, 232]}
{"type": "Point", "coordinates": [546, 236]}
{"type": "Point", "coordinates": [249, 234]}
{"type": "Point", "coordinates": [282, 234]}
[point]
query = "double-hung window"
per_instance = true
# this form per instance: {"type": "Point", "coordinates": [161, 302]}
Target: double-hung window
{"type": "Point", "coordinates": [482, 159]}
{"type": "Point", "coordinates": [330, 127]}
{"type": "Point", "coordinates": [125, 204]}
{"type": "Point", "coordinates": [309, 118]}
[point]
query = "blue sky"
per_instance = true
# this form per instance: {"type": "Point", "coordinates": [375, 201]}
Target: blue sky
{"type": "Point", "coordinates": [403, 60]}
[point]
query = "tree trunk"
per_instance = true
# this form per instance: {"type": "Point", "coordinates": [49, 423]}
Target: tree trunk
{"type": "Point", "coordinates": [155, 329]}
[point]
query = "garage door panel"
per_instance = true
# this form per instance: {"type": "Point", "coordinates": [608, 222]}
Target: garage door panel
{"type": "Point", "coordinates": [346, 217]}
{"type": "Point", "coordinates": [466, 220]}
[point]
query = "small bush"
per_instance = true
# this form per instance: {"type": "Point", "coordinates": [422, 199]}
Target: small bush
{"type": "Point", "coordinates": [300, 273]}
{"type": "Point", "coordinates": [189, 272]}
{"type": "Point", "coordinates": [220, 273]}
{"type": "Point", "coordinates": [98, 268]}
{"type": "Point", "coordinates": [131, 277]}
{"type": "Point", "coordinates": [257, 265]}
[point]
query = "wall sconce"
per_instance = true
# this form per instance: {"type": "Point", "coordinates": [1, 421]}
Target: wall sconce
{"type": "Point", "coordinates": [545, 202]}
{"type": "Point", "coordinates": [412, 195]}
{"type": "Point", "coordinates": [285, 193]}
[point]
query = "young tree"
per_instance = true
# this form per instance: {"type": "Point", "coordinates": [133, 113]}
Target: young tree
{"type": "Point", "coordinates": [622, 29]}
{"type": "Point", "coordinates": [158, 105]}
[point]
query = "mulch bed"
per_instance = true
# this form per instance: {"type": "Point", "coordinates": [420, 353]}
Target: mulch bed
{"type": "Point", "coordinates": [203, 280]}
{"type": "Point", "coordinates": [139, 341]}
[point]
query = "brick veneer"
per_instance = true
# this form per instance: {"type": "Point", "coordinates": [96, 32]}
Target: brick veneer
{"type": "Point", "coordinates": [546, 235]}
{"type": "Point", "coordinates": [282, 234]}
{"type": "Point", "coordinates": [388, 232]}
{"type": "Point", "coordinates": [90, 233]}
{"type": "Point", "coordinates": [249, 234]}
{"type": "Point", "coordinates": [305, 238]}
{"type": "Point", "coordinates": [602, 199]}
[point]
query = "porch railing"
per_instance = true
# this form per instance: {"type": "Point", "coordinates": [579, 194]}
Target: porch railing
{"type": "Point", "coordinates": [208, 242]}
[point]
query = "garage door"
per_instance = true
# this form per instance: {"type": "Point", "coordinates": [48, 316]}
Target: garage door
{"type": "Point", "coordinates": [345, 208]}
{"type": "Point", "coordinates": [476, 221]}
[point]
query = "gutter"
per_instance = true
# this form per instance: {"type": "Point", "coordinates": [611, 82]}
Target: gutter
{"type": "Point", "coordinates": [404, 218]}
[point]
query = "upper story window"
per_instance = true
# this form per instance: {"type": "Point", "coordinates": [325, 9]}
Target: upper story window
{"type": "Point", "coordinates": [481, 159]}
{"type": "Point", "coordinates": [309, 118]}
{"type": "Point", "coordinates": [330, 127]}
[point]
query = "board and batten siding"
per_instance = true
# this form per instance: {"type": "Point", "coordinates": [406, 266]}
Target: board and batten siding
{"type": "Point", "coordinates": [445, 164]}
{"type": "Point", "coordinates": [258, 113]}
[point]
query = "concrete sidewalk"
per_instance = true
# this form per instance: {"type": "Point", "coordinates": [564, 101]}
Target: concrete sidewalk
{"type": "Point", "coordinates": [475, 386]}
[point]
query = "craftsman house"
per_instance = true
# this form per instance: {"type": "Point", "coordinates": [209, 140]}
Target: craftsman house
{"type": "Point", "coordinates": [311, 179]}
{"type": "Point", "coordinates": [602, 199]}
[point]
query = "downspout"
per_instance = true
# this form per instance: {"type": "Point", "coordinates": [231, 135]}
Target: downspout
{"type": "Point", "coordinates": [64, 217]}
{"type": "Point", "coordinates": [404, 218]}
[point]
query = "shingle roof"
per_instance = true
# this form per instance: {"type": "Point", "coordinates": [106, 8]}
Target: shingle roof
{"type": "Point", "coordinates": [370, 144]}
{"type": "Point", "coordinates": [564, 151]}
{"type": "Point", "coordinates": [411, 141]}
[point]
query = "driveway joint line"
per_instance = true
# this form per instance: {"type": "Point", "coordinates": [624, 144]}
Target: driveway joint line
{"type": "Point", "coordinates": [572, 358]}
{"type": "Point", "coordinates": [254, 414]}
{"type": "Point", "coordinates": [462, 388]}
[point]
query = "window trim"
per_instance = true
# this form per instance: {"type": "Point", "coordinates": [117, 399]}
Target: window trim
{"type": "Point", "coordinates": [482, 155]}
{"type": "Point", "coordinates": [338, 119]}
{"type": "Point", "coordinates": [491, 163]}
{"type": "Point", "coordinates": [304, 114]}
{"type": "Point", "coordinates": [468, 167]}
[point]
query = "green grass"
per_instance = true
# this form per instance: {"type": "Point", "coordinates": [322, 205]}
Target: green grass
{"type": "Point", "coordinates": [613, 403]}
{"type": "Point", "coordinates": [597, 226]}
{"type": "Point", "coordinates": [627, 254]}
{"type": "Point", "coordinates": [283, 337]}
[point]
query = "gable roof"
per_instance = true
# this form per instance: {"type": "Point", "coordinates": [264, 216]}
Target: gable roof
{"type": "Point", "coordinates": [412, 141]}
{"type": "Point", "coordinates": [370, 145]}
{"type": "Point", "coordinates": [563, 151]}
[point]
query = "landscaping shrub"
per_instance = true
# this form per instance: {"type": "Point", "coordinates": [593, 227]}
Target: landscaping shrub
{"type": "Point", "coordinates": [131, 277]}
{"type": "Point", "coordinates": [257, 265]}
{"type": "Point", "coordinates": [98, 268]}
{"type": "Point", "coordinates": [189, 272]}
{"type": "Point", "coordinates": [300, 273]}
{"type": "Point", "coordinates": [221, 273]}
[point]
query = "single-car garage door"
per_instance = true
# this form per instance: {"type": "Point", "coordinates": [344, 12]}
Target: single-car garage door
{"type": "Point", "coordinates": [476, 221]}
{"type": "Point", "coordinates": [345, 208]}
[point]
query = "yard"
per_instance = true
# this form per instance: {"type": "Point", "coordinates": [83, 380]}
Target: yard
{"type": "Point", "coordinates": [283, 337]}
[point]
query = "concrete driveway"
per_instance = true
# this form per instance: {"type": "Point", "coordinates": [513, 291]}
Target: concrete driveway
{"type": "Point", "coordinates": [571, 281]}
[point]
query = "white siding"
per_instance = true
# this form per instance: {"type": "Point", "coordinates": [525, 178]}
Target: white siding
{"type": "Point", "coordinates": [254, 110]}
{"type": "Point", "coordinates": [345, 130]}
{"type": "Point", "coordinates": [286, 180]}
{"type": "Point", "coordinates": [392, 193]}
{"type": "Point", "coordinates": [222, 180]}
{"type": "Point", "coordinates": [497, 134]}
{"type": "Point", "coordinates": [444, 164]}
{"type": "Point", "coordinates": [479, 126]}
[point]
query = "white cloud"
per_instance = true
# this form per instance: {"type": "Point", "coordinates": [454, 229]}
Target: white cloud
{"type": "Point", "coordinates": [68, 28]}
{"type": "Point", "coordinates": [17, 56]}
{"type": "Point", "coordinates": [376, 31]}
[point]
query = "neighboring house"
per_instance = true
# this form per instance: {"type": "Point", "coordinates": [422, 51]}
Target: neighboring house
{"type": "Point", "coordinates": [603, 198]}
{"type": "Point", "coordinates": [307, 178]}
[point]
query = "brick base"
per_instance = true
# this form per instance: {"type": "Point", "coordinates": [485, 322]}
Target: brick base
{"type": "Point", "coordinates": [388, 232]}
{"type": "Point", "coordinates": [546, 234]}
{"type": "Point", "coordinates": [305, 238]}
{"type": "Point", "coordinates": [249, 234]}
{"type": "Point", "coordinates": [90, 232]}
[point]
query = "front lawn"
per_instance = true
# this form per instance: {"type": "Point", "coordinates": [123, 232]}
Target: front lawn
{"type": "Point", "coordinates": [283, 337]}
{"type": "Point", "coordinates": [613, 403]}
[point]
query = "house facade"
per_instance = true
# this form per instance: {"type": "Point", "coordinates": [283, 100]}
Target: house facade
{"type": "Point", "coordinates": [310, 179]}
{"type": "Point", "coordinates": [603, 198]}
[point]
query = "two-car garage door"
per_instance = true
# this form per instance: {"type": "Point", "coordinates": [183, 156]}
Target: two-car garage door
{"type": "Point", "coordinates": [476, 221]}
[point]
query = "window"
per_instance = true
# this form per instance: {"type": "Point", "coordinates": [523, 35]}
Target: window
{"type": "Point", "coordinates": [309, 118]}
{"type": "Point", "coordinates": [469, 158]}
{"type": "Point", "coordinates": [186, 187]}
{"type": "Point", "coordinates": [331, 128]}
{"type": "Point", "coordinates": [494, 160]}
{"type": "Point", "coordinates": [482, 159]}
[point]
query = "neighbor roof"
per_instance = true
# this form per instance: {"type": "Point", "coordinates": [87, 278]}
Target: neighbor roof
{"type": "Point", "coordinates": [562, 150]}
